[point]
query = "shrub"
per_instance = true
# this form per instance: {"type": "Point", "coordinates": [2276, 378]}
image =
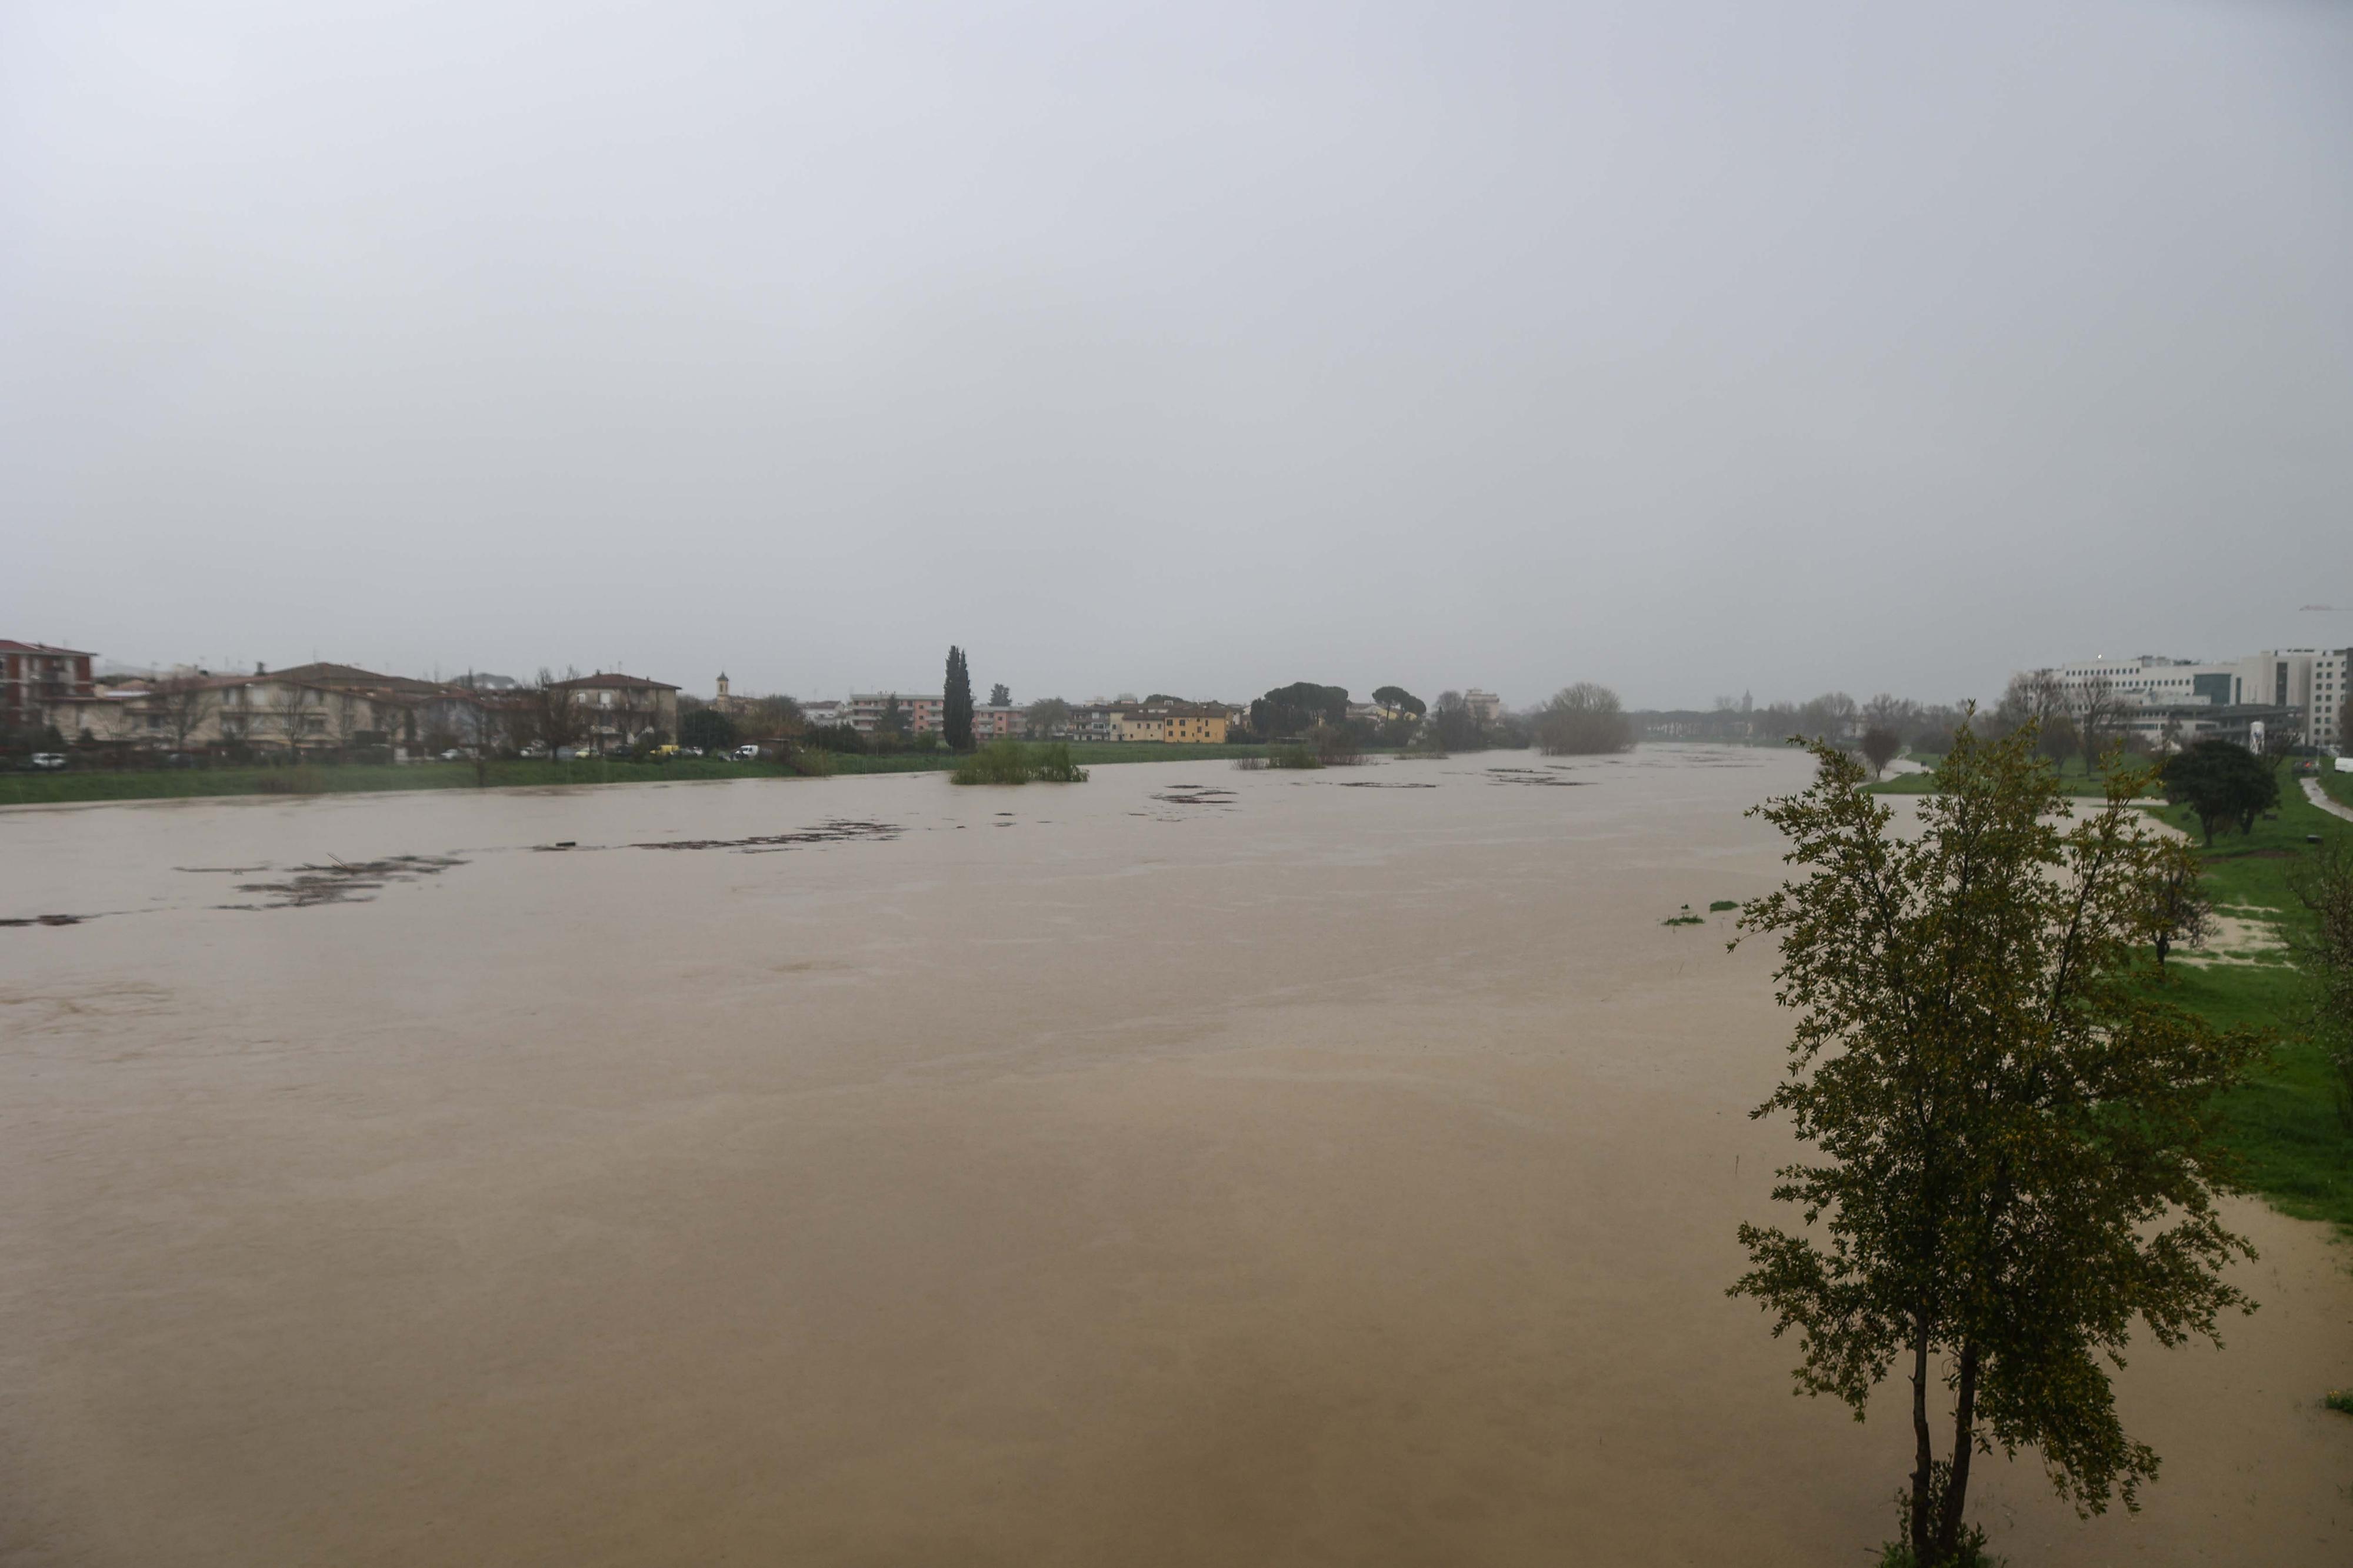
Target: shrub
{"type": "Point", "coordinates": [1293, 757]}
{"type": "Point", "coordinates": [1011, 762]}
{"type": "Point", "coordinates": [1054, 764]}
{"type": "Point", "coordinates": [1583, 719]}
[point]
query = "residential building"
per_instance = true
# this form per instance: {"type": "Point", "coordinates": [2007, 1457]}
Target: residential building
{"type": "Point", "coordinates": [1485, 705]}
{"type": "Point", "coordinates": [923, 714]}
{"type": "Point", "coordinates": [618, 711]}
{"type": "Point", "coordinates": [1137, 724]}
{"type": "Point", "coordinates": [1162, 723]}
{"type": "Point", "coordinates": [824, 712]}
{"type": "Point", "coordinates": [1092, 721]}
{"type": "Point", "coordinates": [994, 721]}
{"type": "Point", "coordinates": [35, 679]}
{"type": "Point", "coordinates": [1194, 724]}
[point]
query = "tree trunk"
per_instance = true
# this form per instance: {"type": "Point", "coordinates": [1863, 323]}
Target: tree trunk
{"type": "Point", "coordinates": [1923, 1474]}
{"type": "Point", "coordinates": [1957, 1488]}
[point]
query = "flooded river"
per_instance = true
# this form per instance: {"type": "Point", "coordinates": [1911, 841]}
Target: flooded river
{"type": "Point", "coordinates": [1191, 1166]}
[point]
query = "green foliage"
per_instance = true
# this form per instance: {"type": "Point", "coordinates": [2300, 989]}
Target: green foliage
{"type": "Point", "coordinates": [1398, 699]}
{"type": "Point", "coordinates": [2018, 1133]}
{"type": "Point", "coordinates": [808, 763]}
{"type": "Point", "coordinates": [956, 707]}
{"type": "Point", "coordinates": [1011, 762]}
{"type": "Point", "coordinates": [2322, 948]}
{"type": "Point", "coordinates": [709, 729]}
{"type": "Point", "coordinates": [1295, 709]}
{"type": "Point", "coordinates": [2339, 1399]}
{"type": "Point", "coordinates": [1685, 919]}
{"type": "Point", "coordinates": [837, 737]}
{"type": "Point", "coordinates": [2222, 782]}
{"type": "Point", "coordinates": [1454, 724]}
{"type": "Point", "coordinates": [1722, 904]}
{"type": "Point", "coordinates": [1303, 757]}
{"type": "Point", "coordinates": [1054, 764]}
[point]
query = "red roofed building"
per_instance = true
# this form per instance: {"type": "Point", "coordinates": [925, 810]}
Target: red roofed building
{"type": "Point", "coordinates": [35, 676]}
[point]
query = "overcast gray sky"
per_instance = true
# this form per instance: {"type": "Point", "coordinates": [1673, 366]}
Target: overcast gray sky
{"type": "Point", "coordinates": [1196, 347]}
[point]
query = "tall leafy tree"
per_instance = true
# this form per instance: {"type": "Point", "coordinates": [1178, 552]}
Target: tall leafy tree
{"type": "Point", "coordinates": [1000, 696]}
{"type": "Point", "coordinates": [1295, 709]}
{"type": "Point", "coordinates": [2014, 1133]}
{"type": "Point", "coordinates": [709, 729]}
{"type": "Point", "coordinates": [1400, 701]}
{"type": "Point", "coordinates": [956, 716]}
{"type": "Point", "coordinates": [2222, 782]}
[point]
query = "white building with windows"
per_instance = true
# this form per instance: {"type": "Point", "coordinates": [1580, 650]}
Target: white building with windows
{"type": "Point", "coordinates": [2162, 695]}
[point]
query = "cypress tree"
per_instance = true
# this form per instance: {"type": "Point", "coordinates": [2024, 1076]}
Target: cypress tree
{"type": "Point", "coordinates": [956, 715]}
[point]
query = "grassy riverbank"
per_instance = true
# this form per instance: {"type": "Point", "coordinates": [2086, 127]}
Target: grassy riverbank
{"type": "Point", "coordinates": [59, 788]}
{"type": "Point", "coordinates": [2297, 1152]}
{"type": "Point", "coordinates": [2286, 1125]}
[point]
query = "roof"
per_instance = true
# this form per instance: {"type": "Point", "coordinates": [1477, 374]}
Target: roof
{"type": "Point", "coordinates": [614, 679]}
{"type": "Point", "coordinates": [10, 645]}
{"type": "Point", "coordinates": [342, 675]}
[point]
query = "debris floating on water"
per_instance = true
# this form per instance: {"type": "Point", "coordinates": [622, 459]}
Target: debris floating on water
{"type": "Point", "coordinates": [836, 832]}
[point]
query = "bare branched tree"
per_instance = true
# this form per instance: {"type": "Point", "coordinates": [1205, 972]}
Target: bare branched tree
{"type": "Point", "coordinates": [553, 718]}
{"type": "Point", "coordinates": [185, 701]}
{"type": "Point", "coordinates": [2098, 708]}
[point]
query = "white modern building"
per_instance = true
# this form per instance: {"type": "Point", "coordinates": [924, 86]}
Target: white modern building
{"type": "Point", "coordinates": [2179, 699]}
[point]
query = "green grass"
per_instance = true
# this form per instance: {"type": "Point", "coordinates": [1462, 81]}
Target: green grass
{"type": "Point", "coordinates": [2337, 786]}
{"type": "Point", "coordinates": [99, 785]}
{"type": "Point", "coordinates": [2284, 1126]}
{"type": "Point", "coordinates": [2293, 1148]}
{"type": "Point", "coordinates": [2072, 780]}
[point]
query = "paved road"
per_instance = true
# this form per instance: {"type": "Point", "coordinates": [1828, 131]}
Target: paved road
{"type": "Point", "coordinates": [2319, 798]}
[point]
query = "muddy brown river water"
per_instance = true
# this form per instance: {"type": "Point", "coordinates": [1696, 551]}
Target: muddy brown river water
{"type": "Point", "coordinates": [1192, 1166]}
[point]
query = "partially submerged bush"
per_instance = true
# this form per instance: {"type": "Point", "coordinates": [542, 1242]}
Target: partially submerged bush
{"type": "Point", "coordinates": [1011, 762]}
{"type": "Point", "coordinates": [1293, 757]}
{"type": "Point", "coordinates": [1581, 720]}
{"type": "Point", "coordinates": [1054, 764]}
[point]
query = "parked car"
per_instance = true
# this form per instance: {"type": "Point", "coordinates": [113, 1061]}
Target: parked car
{"type": "Point", "coordinates": [534, 752]}
{"type": "Point", "coordinates": [49, 759]}
{"type": "Point", "coordinates": [747, 753]}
